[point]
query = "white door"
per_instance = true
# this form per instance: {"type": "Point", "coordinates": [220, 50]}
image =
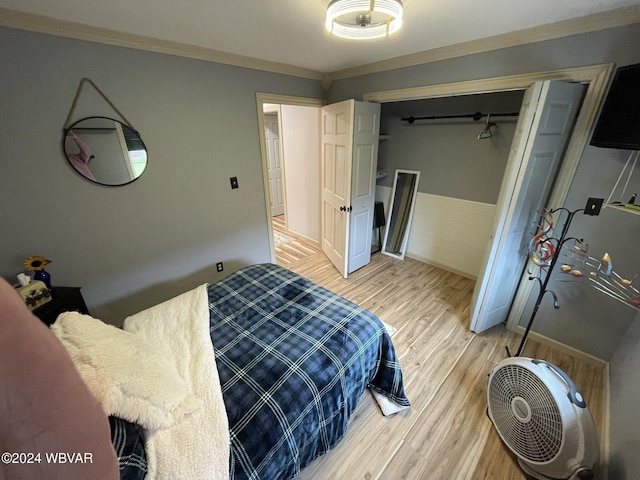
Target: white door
{"type": "Point", "coordinates": [274, 163]}
{"type": "Point", "coordinates": [350, 133]}
{"type": "Point", "coordinates": [366, 132]}
{"type": "Point", "coordinates": [337, 141]}
{"type": "Point", "coordinates": [547, 116]}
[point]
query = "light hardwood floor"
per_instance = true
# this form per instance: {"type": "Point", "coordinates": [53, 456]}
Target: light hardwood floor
{"type": "Point", "coordinates": [446, 434]}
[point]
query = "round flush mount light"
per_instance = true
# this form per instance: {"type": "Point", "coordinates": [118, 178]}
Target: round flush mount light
{"type": "Point", "coordinates": [364, 19]}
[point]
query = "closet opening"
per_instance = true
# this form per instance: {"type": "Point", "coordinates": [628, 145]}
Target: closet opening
{"type": "Point", "coordinates": [460, 145]}
{"type": "Point", "coordinates": [595, 78]}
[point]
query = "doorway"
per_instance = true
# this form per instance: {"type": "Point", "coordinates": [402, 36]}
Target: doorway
{"type": "Point", "coordinates": [297, 194]}
{"type": "Point", "coordinates": [307, 178]}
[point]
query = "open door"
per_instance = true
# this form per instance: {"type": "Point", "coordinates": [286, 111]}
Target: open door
{"type": "Point", "coordinates": [337, 138]}
{"type": "Point", "coordinates": [366, 135]}
{"type": "Point", "coordinates": [350, 132]}
{"type": "Point", "coordinates": [546, 120]}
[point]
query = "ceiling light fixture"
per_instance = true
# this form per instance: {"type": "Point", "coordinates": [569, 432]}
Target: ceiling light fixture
{"type": "Point", "coordinates": [364, 19]}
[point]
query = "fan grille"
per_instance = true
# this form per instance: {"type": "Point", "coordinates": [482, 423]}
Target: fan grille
{"type": "Point", "coordinates": [538, 438]}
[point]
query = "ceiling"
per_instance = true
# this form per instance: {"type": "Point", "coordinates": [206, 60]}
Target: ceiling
{"type": "Point", "coordinates": [292, 32]}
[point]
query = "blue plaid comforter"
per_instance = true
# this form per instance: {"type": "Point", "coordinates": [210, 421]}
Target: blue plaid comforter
{"type": "Point", "coordinates": [293, 360]}
{"type": "Point", "coordinates": [126, 438]}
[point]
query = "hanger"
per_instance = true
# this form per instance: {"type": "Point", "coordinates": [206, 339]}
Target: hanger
{"type": "Point", "coordinates": [486, 132]}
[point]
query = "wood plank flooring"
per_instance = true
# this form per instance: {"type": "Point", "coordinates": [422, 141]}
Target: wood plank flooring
{"type": "Point", "coordinates": [446, 434]}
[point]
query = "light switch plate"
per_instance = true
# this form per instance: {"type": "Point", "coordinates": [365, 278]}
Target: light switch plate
{"type": "Point", "coordinates": [593, 206]}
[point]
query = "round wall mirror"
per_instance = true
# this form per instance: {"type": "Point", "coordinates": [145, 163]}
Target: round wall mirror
{"type": "Point", "coordinates": [105, 151]}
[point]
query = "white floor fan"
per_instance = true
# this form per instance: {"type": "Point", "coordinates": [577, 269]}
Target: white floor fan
{"type": "Point", "coordinates": [543, 419]}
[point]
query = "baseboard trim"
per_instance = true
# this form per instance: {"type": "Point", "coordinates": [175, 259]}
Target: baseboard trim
{"type": "Point", "coordinates": [563, 347]}
{"type": "Point", "coordinates": [304, 238]}
{"type": "Point", "coordinates": [440, 265]}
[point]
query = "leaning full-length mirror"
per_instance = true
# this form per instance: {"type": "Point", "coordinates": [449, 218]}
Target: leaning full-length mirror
{"type": "Point", "coordinates": [105, 151]}
{"type": "Point", "coordinates": [403, 199]}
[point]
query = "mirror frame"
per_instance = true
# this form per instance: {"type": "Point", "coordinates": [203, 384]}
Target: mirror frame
{"type": "Point", "coordinates": [405, 238]}
{"type": "Point", "coordinates": [66, 156]}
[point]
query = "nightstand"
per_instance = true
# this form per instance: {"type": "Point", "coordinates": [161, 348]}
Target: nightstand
{"type": "Point", "coordinates": [63, 299]}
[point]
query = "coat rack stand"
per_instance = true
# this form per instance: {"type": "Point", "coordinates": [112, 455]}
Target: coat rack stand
{"type": "Point", "coordinates": [592, 208]}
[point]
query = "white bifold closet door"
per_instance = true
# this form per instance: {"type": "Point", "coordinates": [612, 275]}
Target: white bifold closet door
{"type": "Point", "coordinates": [546, 120]}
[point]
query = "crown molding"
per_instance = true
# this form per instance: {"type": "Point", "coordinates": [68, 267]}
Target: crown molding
{"type": "Point", "coordinates": [589, 23]}
{"type": "Point", "coordinates": [62, 28]}
{"type": "Point", "coordinates": [586, 74]}
{"type": "Point", "coordinates": [47, 25]}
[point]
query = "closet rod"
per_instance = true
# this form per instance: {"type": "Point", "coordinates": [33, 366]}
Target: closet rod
{"type": "Point", "coordinates": [476, 116]}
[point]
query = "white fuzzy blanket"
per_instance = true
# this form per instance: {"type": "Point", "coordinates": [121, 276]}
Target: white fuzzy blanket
{"type": "Point", "coordinates": [198, 446]}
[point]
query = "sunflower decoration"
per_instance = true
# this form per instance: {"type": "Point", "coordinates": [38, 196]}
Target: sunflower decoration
{"type": "Point", "coordinates": [36, 263]}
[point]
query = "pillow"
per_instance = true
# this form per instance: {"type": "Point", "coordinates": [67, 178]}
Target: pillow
{"type": "Point", "coordinates": [124, 373]}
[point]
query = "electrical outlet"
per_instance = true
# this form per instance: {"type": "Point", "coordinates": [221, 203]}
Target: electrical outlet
{"type": "Point", "coordinates": [234, 182]}
{"type": "Point", "coordinates": [219, 266]}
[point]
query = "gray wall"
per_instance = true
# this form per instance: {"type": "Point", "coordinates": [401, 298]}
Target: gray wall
{"type": "Point", "coordinates": [133, 246]}
{"type": "Point", "coordinates": [588, 319]}
{"type": "Point", "coordinates": [624, 463]}
{"type": "Point", "coordinates": [452, 161]}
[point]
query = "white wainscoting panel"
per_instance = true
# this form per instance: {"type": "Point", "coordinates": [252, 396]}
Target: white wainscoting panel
{"type": "Point", "coordinates": [450, 233]}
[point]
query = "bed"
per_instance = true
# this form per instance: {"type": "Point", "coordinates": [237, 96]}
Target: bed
{"type": "Point", "coordinates": [291, 360]}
